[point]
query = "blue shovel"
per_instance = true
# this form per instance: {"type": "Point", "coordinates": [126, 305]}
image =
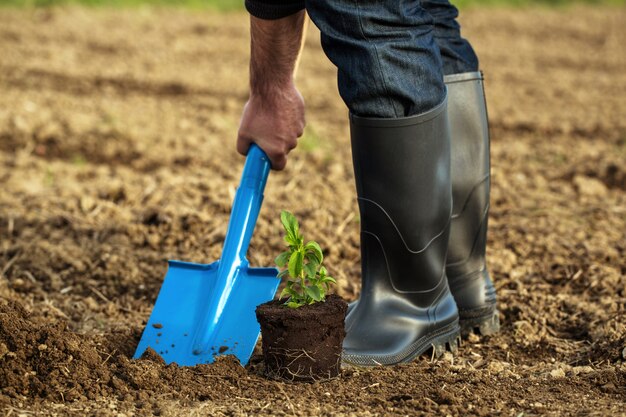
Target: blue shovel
{"type": "Point", "coordinates": [203, 311]}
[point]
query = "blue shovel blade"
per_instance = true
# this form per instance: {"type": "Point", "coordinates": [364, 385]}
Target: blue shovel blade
{"type": "Point", "coordinates": [182, 304]}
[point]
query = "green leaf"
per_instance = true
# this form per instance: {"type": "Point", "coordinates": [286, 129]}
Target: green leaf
{"type": "Point", "coordinates": [294, 304]}
{"type": "Point", "coordinates": [282, 259]}
{"type": "Point", "coordinates": [285, 219]}
{"type": "Point", "coordinates": [291, 225]}
{"type": "Point", "coordinates": [295, 264]}
{"type": "Point", "coordinates": [328, 278]}
{"type": "Point", "coordinates": [283, 273]}
{"type": "Point", "coordinates": [313, 260]}
{"type": "Point", "coordinates": [310, 269]}
{"type": "Point", "coordinates": [290, 292]}
{"type": "Point", "coordinates": [290, 241]}
{"type": "Point", "coordinates": [314, 292]}
{"type": "Point", "coordinates": [284, 292]}
{"type": "Point", "coordinates": [314, 248]}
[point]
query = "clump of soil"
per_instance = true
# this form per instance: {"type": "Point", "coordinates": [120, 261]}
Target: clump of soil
{"type": "Point", "coordinates": [303, 344]}
{"type": "Point", "coordinates": [46, 360]}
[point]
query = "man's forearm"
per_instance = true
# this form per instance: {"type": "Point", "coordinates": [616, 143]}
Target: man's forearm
{"type": "Point", "coordinates": [275, 47]}
{"type": "Point", "coordinates": [273, 117]}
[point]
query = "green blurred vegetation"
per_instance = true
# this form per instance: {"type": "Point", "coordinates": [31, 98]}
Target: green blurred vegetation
{"type": "Point", "coordinates": [230, 5]}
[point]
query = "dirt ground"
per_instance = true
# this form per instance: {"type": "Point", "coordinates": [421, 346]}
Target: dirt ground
{"type": "Point", "coordinates": [117, 153]}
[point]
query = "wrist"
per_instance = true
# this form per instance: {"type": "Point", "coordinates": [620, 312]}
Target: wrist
{"type": "Point", "coordinates": [274, 93]}
{"type": "Point", "coordinates": [270, 89]}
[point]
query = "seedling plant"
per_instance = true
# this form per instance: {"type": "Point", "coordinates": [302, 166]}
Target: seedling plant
{"type": "Point", "coordinates": [307, 278]}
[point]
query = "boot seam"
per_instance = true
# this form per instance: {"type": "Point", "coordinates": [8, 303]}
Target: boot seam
{"type": "Point", "coordinates": [484, 218]}
{"type": "Point", "coordinates": [442, 279]}
{"type": "Point", "coordinates": [438, 235]}
{"type": "Point", "coordinates": [469, 196]}
{"type": "Point", "coordinates": [478, 312]}
{"type": "Point", "coordinates": [432, 310]}
{"type": "Point", "coordinates": [467, 274]}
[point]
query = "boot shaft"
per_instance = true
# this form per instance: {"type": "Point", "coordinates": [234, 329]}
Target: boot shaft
{"type": "Point", "coordinates": [466, 268]}
{"type": "Point", "coordinates": [402, 171]}
{"type": "Point", "coordinates": [467, 114]}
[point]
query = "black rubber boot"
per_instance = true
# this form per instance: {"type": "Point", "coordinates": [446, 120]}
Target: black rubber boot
{"type": "Point", "coordinates": [402, 170]}
{"type": "Point", "coordinates": [467, 272]}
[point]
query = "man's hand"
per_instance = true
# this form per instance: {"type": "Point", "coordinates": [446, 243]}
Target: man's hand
{"type": "Point", "coordinates": [273, 117]}
{"type": "Point", "coordinates": [274, 122]}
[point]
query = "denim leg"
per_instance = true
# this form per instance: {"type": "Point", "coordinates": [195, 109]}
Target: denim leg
{"type": "Point", "coordinates": [387, 59]}
{"type": "Point", "coordinates": [457, 53]}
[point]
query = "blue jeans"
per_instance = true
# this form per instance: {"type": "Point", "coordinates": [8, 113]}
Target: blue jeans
{"type": "Point", "coordinates": [391, 55]}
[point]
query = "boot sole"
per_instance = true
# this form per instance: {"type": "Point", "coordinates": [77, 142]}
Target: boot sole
{"type": "Point", "coordinates": [485, 325]}
{"type": "Point", "coordinates": [441, 345]}
{"type": "Point", "coordinates": [446, 339]}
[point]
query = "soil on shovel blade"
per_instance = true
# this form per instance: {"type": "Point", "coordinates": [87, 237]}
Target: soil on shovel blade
{"type": "Point", "coordinates": [117, 133]}
{"type": "Point", "coordinates": [303, 344]}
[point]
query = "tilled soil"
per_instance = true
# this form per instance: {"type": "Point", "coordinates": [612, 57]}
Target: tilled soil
{"type": "Point", "coordinates": [117, 153]}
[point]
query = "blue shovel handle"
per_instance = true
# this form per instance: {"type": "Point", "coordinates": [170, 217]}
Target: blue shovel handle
{"type": "Point", "coordinates": [246, 207]}
{"type": "Point", "coordinates": [243, 217]}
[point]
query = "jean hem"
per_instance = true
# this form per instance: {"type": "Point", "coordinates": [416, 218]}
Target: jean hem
{"type": "Point", "coordinates": [400, 121]}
